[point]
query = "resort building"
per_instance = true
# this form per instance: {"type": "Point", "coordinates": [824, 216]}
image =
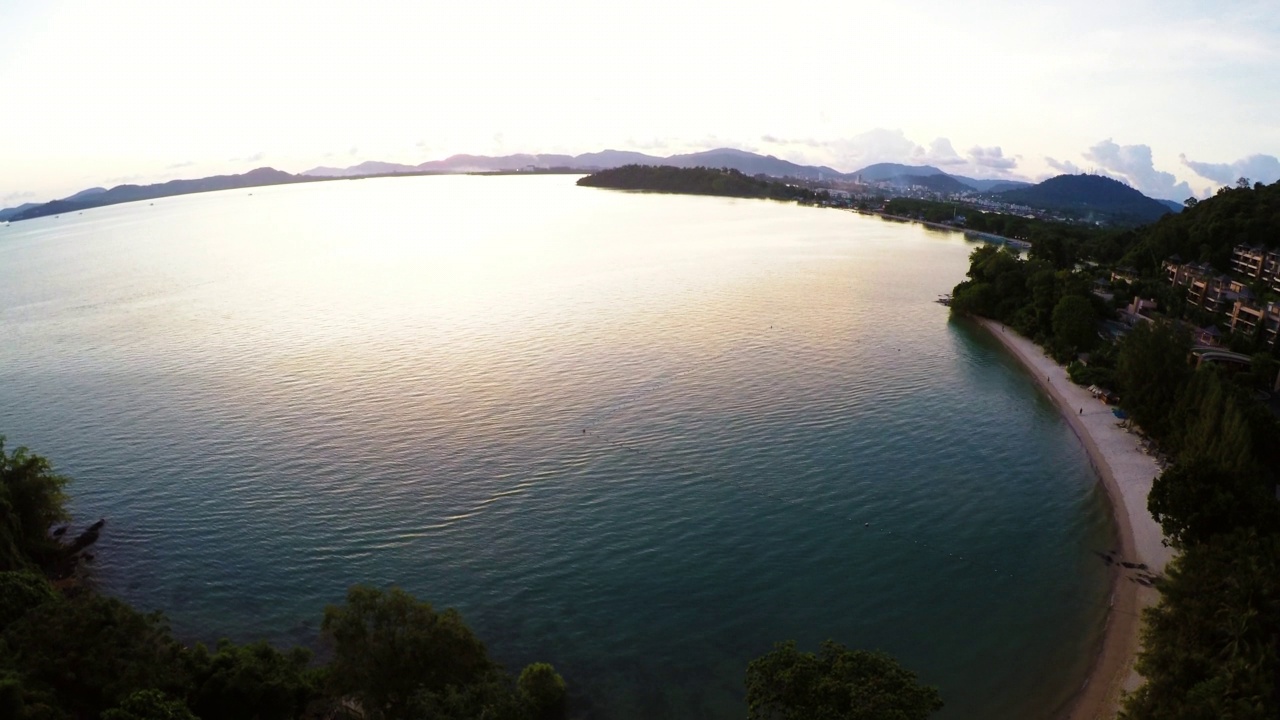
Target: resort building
{"type": "Point", "coordinates": [1247, 317]}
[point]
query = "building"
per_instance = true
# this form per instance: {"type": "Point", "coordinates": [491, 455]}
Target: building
{"type": "Point", "coordinates": [1257, 263]}
{"type": "Point", "coordinates": [1246, 317]}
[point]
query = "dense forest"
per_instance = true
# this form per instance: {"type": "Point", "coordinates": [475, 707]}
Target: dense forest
{"type": "Point", "coordinates": [696, 181]}
{"type": "Point", "coordinates": [68, 652]}
{"type": "Point", "coordinates": [1211, 647]}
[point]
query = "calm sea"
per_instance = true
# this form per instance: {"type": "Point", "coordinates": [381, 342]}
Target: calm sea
{"type": "Point", "coordinates": [639, 436]}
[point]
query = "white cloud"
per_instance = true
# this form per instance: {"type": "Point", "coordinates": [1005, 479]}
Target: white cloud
{"type": "Point", "coordinates": [991, 157]}
{"type": "Point", "coordinates": [1133, 164]}
{"type": "Point", "coordinates": [942, 153]}
{"type": "Point", "coordinates": [1064, 166]}
{"type": "Point", "coordinates": [1258, 168]}
{"type": "Point", "coordinates": [16, 198]}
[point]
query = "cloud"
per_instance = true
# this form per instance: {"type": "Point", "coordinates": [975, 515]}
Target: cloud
{"type": "Point", "coordinates": [176, 166]}
{"type": "Point", "coordinates": [256, 157]}
{"type": "Point", "coordinates": [941, 152]}
{"type": "Point", "coordinates": [893, 146]}
{"type": "Point", "coordinates": [1065, 166]}
{"type": "Point", "coordinates": [1133, 163]}
{"type": "Point", "coordinates": [16, 198]}
{"type": "Point", "coordinates": [1258, 168]}
{"type": "Point", "coordinates": [991, 157]}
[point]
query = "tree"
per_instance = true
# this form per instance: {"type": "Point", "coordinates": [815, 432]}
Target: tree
{"type": "Point", "coordinates": [150, 705]}
{"type": "Point", "coordinates": [1152, 370]}
{"type": "Point", "coordinates": [392, 653]}
{"type": "Point", "coordinates": [1075, 325]}
{"type": "Point", "coordinates": [250, 682]}
{"type": "Point", "coordinates": [542, 691]}
{"type": "Point", "coordinates": [31, 501]}
{"type": "Point", "coordinates": [1197, 499]}
{"type": "Point", "coordinates": [1209, 648]}
{"type": "Point", "coordinates": [835, 684]}
{"type": "Point", "coordinates": [21, 591]}
{"type": "Point", "coordinates": [89, 653]}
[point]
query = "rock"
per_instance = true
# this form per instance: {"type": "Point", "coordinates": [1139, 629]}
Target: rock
{"type": "Point", "coordinates": [87, 538]}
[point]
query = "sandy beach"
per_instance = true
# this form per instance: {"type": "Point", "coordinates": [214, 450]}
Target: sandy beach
{"type": "Point", "coordinates": [1127, 473]}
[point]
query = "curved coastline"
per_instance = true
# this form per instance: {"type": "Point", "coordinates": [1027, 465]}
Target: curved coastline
{"type": "Point", "coordinates": [1127, 473]}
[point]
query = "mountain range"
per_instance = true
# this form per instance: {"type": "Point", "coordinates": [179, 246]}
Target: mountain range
{"type": "Point", "coordinates": [1084, 196]}
{"type": "Point", "coordinates": [901, 176]}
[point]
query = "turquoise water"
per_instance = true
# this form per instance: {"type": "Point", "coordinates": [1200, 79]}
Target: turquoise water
{"type": "Point", "coordinates": [639, 436]}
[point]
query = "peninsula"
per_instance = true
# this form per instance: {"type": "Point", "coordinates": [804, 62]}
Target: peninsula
{"type": "Point", "coordinates": [697, 181]}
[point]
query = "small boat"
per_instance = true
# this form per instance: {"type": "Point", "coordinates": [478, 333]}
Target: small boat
{"type": "Point", "coordinates": [943, 300]}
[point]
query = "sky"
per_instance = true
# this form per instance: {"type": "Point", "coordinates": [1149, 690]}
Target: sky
{"type": "Point", "coordinates": [1175, 97]}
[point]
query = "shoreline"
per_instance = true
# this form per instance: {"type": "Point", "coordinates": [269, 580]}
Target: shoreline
{"type": "Point", "coordinates": [1126, 473]}
{"type": "Point", "coordinates": [984, 236]}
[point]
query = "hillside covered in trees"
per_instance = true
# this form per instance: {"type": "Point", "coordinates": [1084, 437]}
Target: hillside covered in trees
{"type": "Point", "coordinates": [695, 181]}
{"type": "Point", "coordinates": [1210, 648]}
{"type": "Point", "coordinates": [1208, 229]}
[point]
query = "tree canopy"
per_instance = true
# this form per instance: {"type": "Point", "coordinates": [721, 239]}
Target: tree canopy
{"type": "Point", "coordinates": [835, 684]}
{"type": "Point", "coordinates": [31, 501]}
{"type": "Point", "coordinates": [695, 181]}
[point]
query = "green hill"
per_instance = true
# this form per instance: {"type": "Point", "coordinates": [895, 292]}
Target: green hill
{"type": "Point", "coordinates": [1208, 230]}
{"type": "Point", "coordinates": [1089, 197]}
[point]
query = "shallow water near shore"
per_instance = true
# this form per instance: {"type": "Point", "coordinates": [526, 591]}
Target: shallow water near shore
{"type": "Point", "coordinates": [639, 436]}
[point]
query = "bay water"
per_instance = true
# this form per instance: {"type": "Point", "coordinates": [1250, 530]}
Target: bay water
{"type": "Point", "coordinates": [639, 436]}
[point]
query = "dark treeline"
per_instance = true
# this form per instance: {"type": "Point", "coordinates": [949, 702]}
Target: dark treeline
{"type": "Point", "coordinates": [69, 653]}
{"type": "Point", "coordinates": [1060, 243]}
{"type": "Point", "coordinates": [1211, 647]}
{"type": "Point", "coordinates": [696, 181]}
{"type": "Point", "coordinates": [1207, 230]}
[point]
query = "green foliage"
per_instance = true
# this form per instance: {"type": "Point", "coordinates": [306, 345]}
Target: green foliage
{"type": "Point", "coordinates": [89, 653]}
{"type": "Point", "coordinates": [542, 692]}
{"type": "Point", "coordinates": [1198, 499]}
{"type": "Point", "coordinates": [12, 704]}
{"type": "Point", "coordinates": [1208, 230]}
{"type": "Point", "coordinates": [1087, 375]}
{"type": "Point", "coordinates": [1152, 370]}
{"type": "Point", "coordinates": [31, 500]}
{"type": "Point", "coordinates": [835, 684]}
{"type": "Point", "coordinates": [150, 705]}
{"type": "Point", "coordinates": [1075, 324]}
{"type": "Point", "coordinates": [696, 181]}
{"type": "Point", "coordinates": [396, 655]}
{"type": "Point", "coordinates": [21, 591]}
{"type": "Point", "coordinates": [250, 682]}
{"type": "Point", "coordinates": [1209, 648]}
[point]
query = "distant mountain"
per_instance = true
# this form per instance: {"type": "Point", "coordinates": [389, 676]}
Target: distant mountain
{"type": "Point", "coordinates": [85, 193]}
{"type": "Point", "coordinates": [130, 193]}
{"type": "Point", "coordinates": [615, 158]}
{"type": "Point", "coordinates": [740, 160]}
{"type": "Point", "coordinates": [751, 164]}
{"type": "Point", "coordinates": [371, 167]}
{"type": "Point", "coordinates": [1089, 197]}
{"type": "Point", "coordinates": [938, 182]}
{"type": "Point", "coordinates": [881, 172]}
{"type": "Point", "coordinates": [991, 186]}
{"type": "Point", "coordinates": [1173, 205]}
{"type": "Point", "coordinates": [10, 213]}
